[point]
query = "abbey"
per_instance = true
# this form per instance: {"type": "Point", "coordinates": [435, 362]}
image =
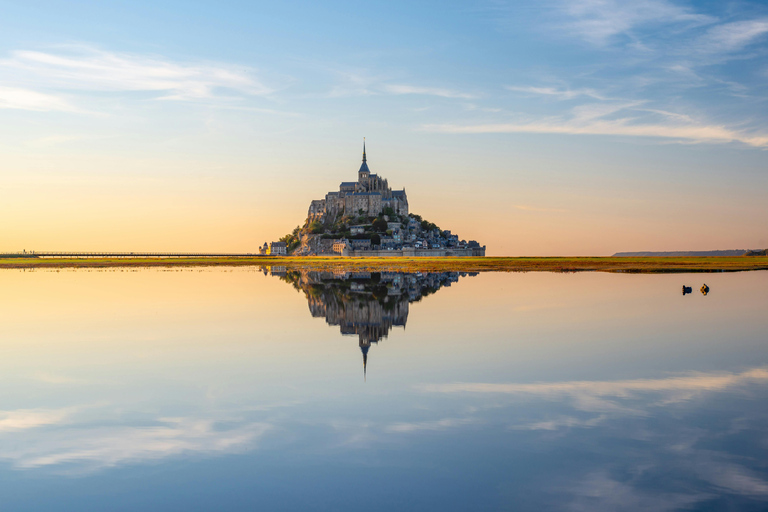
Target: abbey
{"type": "Point", "coordinates": [369, 195]}
{"type": "Point", "coordinates": [367, 218]}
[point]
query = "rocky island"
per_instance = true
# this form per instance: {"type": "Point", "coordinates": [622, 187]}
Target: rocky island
{"type": "Point", "coordinates": [367, 218]}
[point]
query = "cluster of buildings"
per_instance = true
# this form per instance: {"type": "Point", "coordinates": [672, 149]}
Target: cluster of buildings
{"type": "Point", "coordinates": [407, 238]}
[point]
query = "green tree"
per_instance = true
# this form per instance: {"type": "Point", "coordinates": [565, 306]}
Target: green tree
{"type": "Point", "coordinates": [290, 236]}
{"type": "Point", "coordinates": [380, 225]}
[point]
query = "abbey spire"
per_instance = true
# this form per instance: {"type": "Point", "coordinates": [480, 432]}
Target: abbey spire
{"type": "Point", "coordinates": [364, 172]}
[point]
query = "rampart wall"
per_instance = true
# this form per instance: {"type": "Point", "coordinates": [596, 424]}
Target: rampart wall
{"type": "Point", "coordinates": [416, 253]}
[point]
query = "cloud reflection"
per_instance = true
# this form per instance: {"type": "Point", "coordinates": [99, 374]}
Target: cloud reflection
{"type": "Point", "coordinates": [679, 387]}
{"type": "Point", "coordinates": [688, 462]}
{"type": "Point", "coordinates": [441, 424]}
{"type": "Point", "coordinates": [607, 399]}
{"type": "Point", "coordinates": [86, 448]}
{"type": "Point", "coordinates": [24, 419]}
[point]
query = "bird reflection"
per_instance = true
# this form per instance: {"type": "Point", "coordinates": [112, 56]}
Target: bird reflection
{"type": "Point", "coordinates": [364, 304]}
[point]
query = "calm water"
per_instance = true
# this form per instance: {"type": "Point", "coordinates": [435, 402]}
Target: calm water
{"type": "Point", "coordinates": [231, 389]}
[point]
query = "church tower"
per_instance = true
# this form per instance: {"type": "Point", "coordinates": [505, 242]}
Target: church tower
{"type": "Point", "coordinates": [364, 172]}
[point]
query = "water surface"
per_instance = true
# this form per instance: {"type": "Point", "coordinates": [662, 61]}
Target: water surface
{"type": "Point", "coordinates": [248, 388]}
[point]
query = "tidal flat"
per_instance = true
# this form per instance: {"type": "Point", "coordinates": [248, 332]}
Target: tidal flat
{"type": "Point", "coordinates": [445, 264]}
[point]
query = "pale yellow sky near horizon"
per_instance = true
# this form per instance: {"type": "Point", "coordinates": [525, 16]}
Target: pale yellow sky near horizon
{"type": "Point", "coordinates": [102, 202]}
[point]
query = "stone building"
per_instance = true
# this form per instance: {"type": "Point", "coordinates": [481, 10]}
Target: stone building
{"type": "Point", "coordinates": [277, 249]}
{"type": "Point", "coordinates": [369, 195]}
{"type": "Point", "coordinates": [342, 246]}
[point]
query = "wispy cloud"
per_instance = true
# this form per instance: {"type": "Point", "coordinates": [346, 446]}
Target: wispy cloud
{"type": "Point", "coordinates": [616, 119]}
{"type": "Point", "coordinates": [732, 37]}
{"type": "Point", "coordinates": [591, 111]}
{"type": "Point", "coordinates": [560, 94]}
{"type": "Point", "coordinates": [428, 91]}
{"type": "Point", "coordinates": [692, 133]}
{"type": "Point", "coordinates": [672, 115]}
{"type": "Point", "coordinates": [668, 48]}
{"type": "Point", "coordinates": [599, 21]}
{"type": "Point", "coordinates": [357, 83]}
{"type": "Point", "coordinates": [83, 68]}
{"type": "Point", "coordinates": [25, 99]}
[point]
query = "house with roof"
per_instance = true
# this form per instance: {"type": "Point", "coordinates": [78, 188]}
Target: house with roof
{"type": "Point", "coordinates": [278, 249]}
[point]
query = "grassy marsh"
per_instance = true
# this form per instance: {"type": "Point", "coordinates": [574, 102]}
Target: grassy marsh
{"type": "Point", "coordinates": [447, 264]}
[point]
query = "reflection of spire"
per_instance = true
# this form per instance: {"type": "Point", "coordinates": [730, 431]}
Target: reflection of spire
{"type": "Point", "coordinates": [364, 349]}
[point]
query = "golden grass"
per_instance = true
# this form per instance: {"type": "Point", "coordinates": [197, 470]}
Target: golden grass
{"type": "Point", "coordinates": [447, 264]}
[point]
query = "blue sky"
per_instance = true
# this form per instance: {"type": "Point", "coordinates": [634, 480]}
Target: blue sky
{"type": "Point", "coordinates": [555, 127]}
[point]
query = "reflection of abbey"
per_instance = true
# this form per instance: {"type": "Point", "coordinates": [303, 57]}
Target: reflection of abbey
{"type": "Point", "coordinates": [364, 304]}
{"type": "Point", "coordinates": [369, 195]}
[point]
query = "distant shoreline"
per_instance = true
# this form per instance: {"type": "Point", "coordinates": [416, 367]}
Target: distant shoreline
{"type": "Point", "coordinates": [443, 264]}
{"type": "Point", "coordinates": [688, 254]}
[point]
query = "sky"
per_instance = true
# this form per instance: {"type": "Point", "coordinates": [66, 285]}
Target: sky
{"type": "Point", "coordinates": [583, 127]}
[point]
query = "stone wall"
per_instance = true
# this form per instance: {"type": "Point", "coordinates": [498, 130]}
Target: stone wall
{"type": "Point", "coordinates": [369, 203]}
{"type": "Point", "coordinates": [417, 253]}
{"type": "Point", "coordinates": [316, 208]}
